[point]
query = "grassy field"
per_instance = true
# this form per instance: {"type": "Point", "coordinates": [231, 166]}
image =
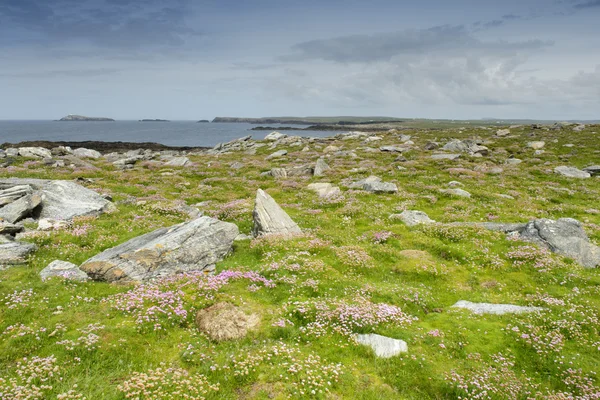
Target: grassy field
{"type": "Point", "coordinates": [354, 271]}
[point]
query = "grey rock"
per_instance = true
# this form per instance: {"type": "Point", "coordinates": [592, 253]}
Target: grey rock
{"type": "Point", "coordinates": [456, 146]}
{"type": "Point", "coordinates": [456, 192]}
{"type": "Point", "coordinates": [14, 253]}
{"type": "Point", "coordinates": [302, 170]}
{"type": "Point", "coordinates": [63, 199]}
{"type": "Point", "coordinates": [34, 152]}
{"type": "Point", "coordinates": [277, 154]}
{"type": "Point", "coordinates": [270, 219]}
{"type": "Point", "coordinates": [593, 170]}
{"type": "Point", "coordinates": [21, 208]}
{"type": "Point", "coordinates": [273, 136]}
{"type": "Point", "coordinates": [61, 151]}
{"type": "Point", "coordinates": [193, 246]}
{"type": "Point", "coordinates": [431, 146]}
{"type": "Point", "coordinates": [11, 194]}
{"type": "Point", "coordinates": [405, 138]}
{"type": "Point", "coordinates": [393, 149]}
{"type": "Point", "coordinates": [579, 128]}
{"type": "Point", "coordinates": [64, 270]}
{"type": "Point", "coordinates": [48, 224]}
{"type": "Point", "coordinates": [536, 145]}
{"type": "Point", "coordinates": [236, 165]}
{"type": "Point", "coordinates": [513, 161]}
{"type": "Point", "coordinates": [325, 189]}
{"type": "Point", "coordinates": [443, 156]}
{"type": "Point", "coordinates": [86, 153]}
{"type": "Point", "coordinates": [380, 187]}
{"type": "Point", "coordinates": [9, 229]}
{"type": "Point", "coordinates": [383, 346]}
{"type": "Point", "coordinates": [179, 162]}
{"type": "Point", "coordinates": [11, 152]}
{"type": "Point", "coordinates": [278, 173]}
{"type": "Point", "coordinates": [498, 309]}
{"type": "Point", "coordinates": [78, 163]}
{"type": "Point", "coordinates": [320, 167]}
{"type": "Point", "coordinates": [502, 132]}
{"type": "Point", "coordinates": [413, 217]}
{"type": "Point", "coordinates": [571, 172]}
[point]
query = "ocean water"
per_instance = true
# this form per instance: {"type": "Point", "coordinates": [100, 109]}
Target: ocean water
{"type": "Point", "coordinates": [174, 133]}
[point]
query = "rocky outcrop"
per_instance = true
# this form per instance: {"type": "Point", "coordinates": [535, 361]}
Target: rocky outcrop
{"type": "Point", "coordinates": [11, 194]}
{"type": "Point", "coordinates": [21, 208]}
{"type": "Point", "coordinates": [63, 269]}
{"type": "Point", "coordinates": [270, 219]}
{"type": "Point", "coordinates": [72, 117]}
{"type": "Point", "coordinates": [224, 321]}
{"type": "Point", "coordinates": [498, 309]}
{"type": "Point", "coordinates": [191, 246]}
{"type": "Point", "coordinates": [34, 152]}
{"type": "Point", "coordinates": [571, 172]}
{"type": "Point", "coordinates": [384, 347]}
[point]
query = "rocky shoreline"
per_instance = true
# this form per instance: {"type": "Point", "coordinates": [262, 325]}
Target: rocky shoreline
{"type": "Point", "coordinates": [102, 147]}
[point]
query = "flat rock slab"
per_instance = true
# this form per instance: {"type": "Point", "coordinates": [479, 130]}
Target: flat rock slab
{"type": "Point", "coordinates": [412, 218]}
{"type": "Point", "coordinates": [445, 156]}
{"type": "Point", "coordinates": [456, 192]}
{"type": "Point", "coordinates": [270, 219]}
{"type": "Point", "coordinates": [193, 246]}
{"type": "Point", "coordinates": [21, 208]}
{"type": "Point", "coordinates": [571, 172]}
{"type": "Point", "coordinates": [63, 199]}
{"type": "Point", "coordinates": [9, 195]}
{"type": "Point", "coordinates": [490, 308]}
{"type": "Point", "coordinates": [374, 184]}
{"type": "Point", "coordinates": [14, 253]}
{"type": "Point", "coordinates": [179, 162]}
{"type": "Point", "coordinates": [383, 346]}
{"type": "Point", "coordinates": [593, 170]}
{"type": "Point", "coordinates": [277, 154]}
{"type": "Point", "coordinates": [63, 269]}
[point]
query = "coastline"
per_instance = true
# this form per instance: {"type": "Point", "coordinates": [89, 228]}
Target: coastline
{"type": "Point", "coordinates": [103, 147]}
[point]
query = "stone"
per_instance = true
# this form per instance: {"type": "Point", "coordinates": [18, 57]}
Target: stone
{"type": "Point", "coordinates": [571, 172]}
{"type": "Point", "coordinates": [325, 189]}
{"type": "Point", "coordinates": [78, 163]}
{"type": "Point", "coordinates": [178, 162]}
{"type": "Point", "coordinates": [15, 253]}
{"type": "Point", "coordinates": [380, 187]}
{"type": "Point", "coordinates": [331, 149]}
{"type": "Point", "coordinates": [443, 156]}
{"type": "Point", "coordinates": [367, 140]}
{"type": "Point", "coordinates": [277, 154]}
{"type": "Point", "coordinates": [301, 170]}
{"type": "Point", "coordinates": [513, 161]}
{"type": "Point", "coordinates": [392, 149]}
{"type": "Point", "coordinates": [320, 167]}
{"type": "Point", "coordinates": [431, 146]}
{"type": "Point", "coordinates": [502, 132]}
{"type": "Point", "coordinates": [124, 162]}
{"type": "Point", "coordinates": [456, 146]}
{"type": "Point", "coordinates": [490, 308]}
{"type": "Point", "coordinates": [579, 128]}
{"type": "Point", "coordinates": [383, 346]}
{"type": "Point", "coordinates": [454, 184]}
{"type": "Point", "coordinates": [48, 224]}
{"type": "Point", "coordinates": [192, 246]}
{"type": "Point", "coordinates": [278, 173]}
{"type": "Point", "coordinates": [273, 136]}
{"type": "Point", "coordinates": [21, 208]}
{"type": "Point", "coordinates": [593, 170]}
{"type": "Point", "coordinates": [536, 145]}
{"type": "Point", "coordinates": [34, 152]}
{"type": "Point", "coordinates": [236, 165]}
{"type": "Point", "coordinates": [404, 138]}
{"type": "Point", "coordinates": [413, 217]}
{"type": "Point", "coordinates": [11, 194]}
{"type": "Point", "coordinates": [270, 219]}
{"type": "Point", "coordinates": [224, 321]}
{"type": "Point", "coordinates": [64, 270]}
{"type": "Point", "coordinates": [63, 199]}
{"type": "Point", "coordinates": [9, 229]}
{"type": "Point", "coordinates": [456, 192]}
{"type": "Point", "coordinates": [61, 151]}
{"type": "Point", "coordinates": [86, 153]}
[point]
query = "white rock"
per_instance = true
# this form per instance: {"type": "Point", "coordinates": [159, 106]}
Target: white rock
{"type": "Point", "coordinates": [412, 218]}
{"type": "Point", "coordinates": [489, 308]}
{"type": "Point", "coordinates": [273, 136]}
{"type": "Point", "coordinates": [325, 189]}
{"type": "Point", "coordinates": [383, 346]}
{"type": "Point", "coordinates": [456, 192]}
{"type": "Point", "coordinates": [269, 217]}
{"type": "Point", "coordinates": [63, 269]}
{"type": "Point", "coordinates": [571, 172]}
{"type": "Point", "coordinates": [34, 152]}
{"type": "Point", "coordinates": [86, 153]}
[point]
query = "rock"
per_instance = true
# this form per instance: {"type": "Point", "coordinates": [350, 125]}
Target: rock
{"type": "Point", "coordinates": [380, 187]}
{"type": "Point", "coordinates": [412, 218]}
{"type": "Point", "coordinates": [273, 136]}
{"type": "Point", "coordinates": [593, 170]}
{"type": "Point", "coordinates": [63, 199]}
{"type": "Point", "coordinates": [179, 162]}
{"type": "Point", "coordinates": [456, 146]}
{"type": "Point", "coordinates": [331, 149]}
{"type": "Point", "coordinates": [21, 208]}
{"type": "Point", "coordinates": [192, 246]}
{"type": "Point", "coordinates": [325, 189]}
{"type": "Point", "coordinates": [443, 156]}
{"type": "Point", "coordinates": [301, 170]}
{"type": "Point", "coordinates": [513, 161]}
{"type": "Point", "coordinates": [9, 229]}
{"type": "Point", "coordinates": [270, 219]}
{"type": "Point", "coordinates": [564, 236]}
{"type": "Point", "coordinates": [367, 140]}
{"type": "Point", "coordinates": [278, 173]}
{"type": "Point", "coordinates": [236, 165]}
{"type": "Point", "coordinates": [571, 172]}
{"type": "Point", "coordinates": [61, 151]}
{"type": "Point", "coordinates": [243, 236]}
{"type": "Point", "coordinates": [86, 153]}
{"type": "Point", "coordinates": [320, 167]}
{"type": "Point", "coordinates": [498, 309]}
{"type": "Point", "coordinates": [456, 192]}
{"type": "Point", "coordinates": [76, 162]}
{"type": "Point", "coordinates": [579, 128]}
{"type": "Point", "coordinates": [11, 152]}
{"type": "Point", "coordinates": [11, 194]}
{"type": "Point", "coordinates": [224, 321]}
{"type": "Point", "coordinates": [14, 253]}
{"type": "Point", "coordinates": [34, 152]}
{"type": "Point", "coordinates": [64, 270]}
{"type": "Point", "coordinates": [125, 162]}
{"type": "Point", "coordinates": [393, 149]}
{"type": "Point", "coordinates": [536, 145]}
{"type": "Point", "coordinates": [454, 184]}
{"type": "Point", "coordinates": [502, 132]}
{"type": "Point", "coordinates": [48, 224]}
{"type": "Point", "coordinates": [404, 138]}
{"type": "Point", "coordinates": [383, 346]}
{"type": "Point", "coordinates": [278, 153]}
{"type": "Point", "coordinates": [431, 146]}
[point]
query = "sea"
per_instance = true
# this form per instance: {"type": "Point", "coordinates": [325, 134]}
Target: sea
{"type": "Point", "coordinates": [173, 133]}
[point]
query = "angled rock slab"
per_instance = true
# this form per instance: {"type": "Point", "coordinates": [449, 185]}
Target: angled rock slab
{"type": "Point", "coordinates": [277, 154]}
{"type": "Point", "coordinates": [64, 270]}
{"type": "Point", "coordinates": [456, 192]}
{"type": "Point", "coordinates": [412, 218]}
{"type": "Point", "coordinates": [193, 246]}
{"type": "Point", "coordinates": [321, 167]}
{"type": "Point", "coordinates": [374, 184]}
{"type": "Point", "coordinates": [9, 195]}
{"type": "Point", "coordinates": [445, 156]}
{"type": "Point", "coordinates": [593, 170]}
{"type": "Point", "coordinates": [270, 219]}
{"type": "Point", "coordinates": [490, 308]}
{"type": "Point", "coordinates": [14, 253]}
{"type": "Point", "coordinates": [383, 346]}
{"type": "Point", "coordinates": [179, 162]}
{"type": "Point", "coordinates": [63, 199]}
{"type": "Point", "coordinates": [21, 208]}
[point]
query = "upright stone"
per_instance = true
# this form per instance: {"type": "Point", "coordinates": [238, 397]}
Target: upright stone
{"type": "Point", "coordinates": [270, 219]}
{"type": "Point", "coordinates": [321, 167]}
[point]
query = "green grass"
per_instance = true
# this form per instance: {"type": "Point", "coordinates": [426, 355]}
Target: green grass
{"type": "Point", "coordinates": [460, 263]}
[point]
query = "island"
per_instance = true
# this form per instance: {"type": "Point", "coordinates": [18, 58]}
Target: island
{"type": "Point", "coordinates": [80, 118]}
{"type": "Point", "coordinates": [154, 120]}
{"type": "Point", "coordinates": [203, 121]}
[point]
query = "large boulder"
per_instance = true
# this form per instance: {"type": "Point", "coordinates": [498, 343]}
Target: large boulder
{"type": "Point", "coordinates": [63, 269]}
{"type": "Point", "coordinates": [321, 167]}
{"type": "Point", "coordinates": [86, 153]}
{"type": "Point", "coordinates": [193, 246]}
{"type": "Point", "coordinates": [62, 199]}
{"type": "Point", "coordinates": [270, 219]}
{"type": "Point", "coordinates": [21, 208]}
{"type": "Point", "coordinates": [34, 152]}
{"type": "Point", "coordinates": [224, 321]}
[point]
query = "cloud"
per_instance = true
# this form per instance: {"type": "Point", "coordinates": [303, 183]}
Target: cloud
{"type": "Point", "coordinates": [588, 4]}
{"type": "Point", "coordinates": [384, 46]}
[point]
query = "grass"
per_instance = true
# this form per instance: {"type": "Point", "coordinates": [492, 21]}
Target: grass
{"type": "Point", "coordinates": [94, 347]}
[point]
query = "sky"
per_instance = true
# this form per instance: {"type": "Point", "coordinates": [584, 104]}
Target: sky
{"type": "Point", "coordinates": [190, 60]}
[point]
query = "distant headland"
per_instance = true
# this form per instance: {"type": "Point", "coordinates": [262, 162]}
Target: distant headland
{"type": "Point", "coordinates": [79, 118]}
{"type": "Point", "coordinates": [203, 120]}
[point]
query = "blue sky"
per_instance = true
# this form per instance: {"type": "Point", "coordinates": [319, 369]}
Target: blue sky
{"type": "Point", "coordinates": [184, 59]}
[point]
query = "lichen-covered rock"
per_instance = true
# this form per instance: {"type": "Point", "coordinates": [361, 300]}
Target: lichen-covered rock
{"type": "Point", "coordinates": [224, 321]}
{"type": "Point", "coordinates": [11, 194]}
{"type": "Point", "coordinates": [193, 246]}
{"type": "Point", "coordinates": [270, 219]}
